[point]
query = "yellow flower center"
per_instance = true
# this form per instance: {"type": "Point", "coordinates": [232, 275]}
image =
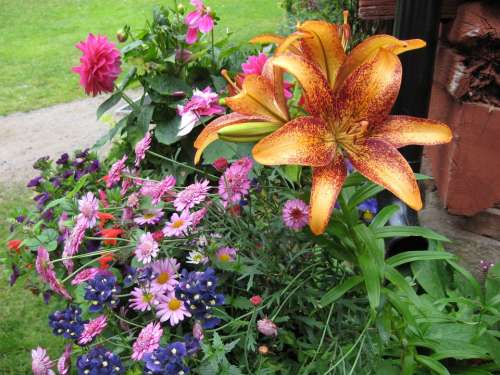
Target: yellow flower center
{"type": "Point", "coordinates": [367, 215]}
{"type": "Point", "coordinates": [177, 224]}
{"type": "Point", "coordinates": [349, 134]}
{"type": "Point", "coordinates": [149, 216]}
{"type": "Point", "coordinates": [224, 258]}
{"type": "Point", "coordinates": [163, 278]}
{"type": "Point", "coordinates": [147, 297]}
{"type": "Point", "coordinates": [174, 304]}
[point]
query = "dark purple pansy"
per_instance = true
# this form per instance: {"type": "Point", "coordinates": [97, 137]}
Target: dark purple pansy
{"type": "Point", "coordinates": [63, 159]}
{"type": "Point", "coordinates": [35, 182]}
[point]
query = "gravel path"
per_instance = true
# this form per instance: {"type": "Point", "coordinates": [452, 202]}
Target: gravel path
{"type": "Point", "coordinates": [24, 137]}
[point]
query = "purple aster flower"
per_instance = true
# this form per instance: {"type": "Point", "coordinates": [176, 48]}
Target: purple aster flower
{"type": "Point", "coordinates": [63, 159]}
{"type": "Point", "coordinates": [147, 341]}
{"type": "Point", "coordinates": [192, 195]}
{"type": "Point", "coordinates": [115, 172]}
{"type": "Point", "coordinates": [141, 147]}
{"type": "Point", "coordinates": [35, 182]}
{"type": "Point", "coordinates": [149, 217]}
{"type": "Point", "coordinates": [295, 214]}
{"type": "Point", "coordinates": [40, 362]}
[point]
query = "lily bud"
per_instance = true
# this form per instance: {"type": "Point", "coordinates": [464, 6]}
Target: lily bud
{"type": "Point", "coordinates": [121, 36]}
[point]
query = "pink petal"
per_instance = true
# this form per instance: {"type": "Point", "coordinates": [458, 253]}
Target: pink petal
{"type": "Point", "coordinates": [206, 24]}
{"type": "Point", "coordinates": [192, 35]}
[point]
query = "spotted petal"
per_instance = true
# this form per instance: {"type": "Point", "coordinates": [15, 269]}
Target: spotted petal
{"type": "Point", "coordinates": [324, 48]}
{"type": "Point", "coordinates": [370, 92]}
{"type": "Point", "coordinates": [283, 43]}
{"type": "Point", "coordinates": [401, 131]}
{"type": "Point", "coordinates": [275, 75]}
{"type": "Point", "coordinates": [317, 93]}
{"type": "Point", "coordinates": [383, 164]}
{"type": "Point", "coordinates": [209, 133]}
{"type": "Point", "coordinates": [326, 185]}
{"type": "Point", "coordinates": [368, 48]}
{"type": "Point", "coordinates": [302, 141]}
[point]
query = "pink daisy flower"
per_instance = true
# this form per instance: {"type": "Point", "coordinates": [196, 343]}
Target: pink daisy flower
{"type": "Point", "coordinates": [40, 362]}
{"type": "Point", "coordinates": [115, 172]}
{"type": "Point", "coordinates": [202, 103]}
{"type": "Point", "coordinates": [99, 66]}
{"type": "Point", "coordinates": [234, 184]}
{"type": "Point", "coordinates": [192, 195]}
{"type": "Point", "coordinates": [166, 275]}
{"type": "Point", "coordinates": [149, 217]}
{"type": "Point", "coordinates": [92, 329]}
{"type": "Point", "coordinates": [147, 248]}
{"type": "Point", "coordinates": [46, 271]}
{"type": "Point", "coordinates": [85, 275]}
{"type": "Point", "coordinates": [198, 20]}
{"type": "Point", "coordinates": [141, 147]}
{"type": "Point", "coordinates": [88, 206]}
{"type": "Point", "coordinates": [147, 341]}
{"type": "Point", "coordinates": [64, 362]}
{"type": "Point", "coordinates": [226, 254]}
{"type": "Point", "coordinates": [178, 225]}
{"type": "Point", "coordinates": [143, 299]}
{"type": "Point", "coordinates": [295, 214]}
{"type": "Point", "coordinates": [172, 310]}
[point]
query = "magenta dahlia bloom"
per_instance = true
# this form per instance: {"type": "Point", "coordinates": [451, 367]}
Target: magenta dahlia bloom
{"type": "Point", "coordinates": [234, 184]}
{"type": "Point", "coordinates": [192, 195]}
{"type": "Point", "coordinates": [99, 66]}
{"type": "Point", "coordinates": [202, 103]}
{"type": "Point", "coordinates": [172, 310]}
{"type": "Point", "coordinates": [267, 327]}
{"type": "Point", "coordinates": [92, 329]}
{"type": "Point", "coordinates": [147, 341]}
{"type": "Point", "coordinates": [226, 254]}
{"type": "Point", "coordinates": [141, 147]}
{"type": "Point", "coordinates": [88, 206]}
{"type": "Point", "coordinates": [178, 225]}
{"type": "Point", "coordinates": [85, 275]}
{"type": "Point", "coordinates": [115, 172]}
{"type": "Point", "coordinates": [46, 271]}
{"type": "Point", "coordinates": [254, 64]}
{"type": "Point", "coordinates": [143, 299]}
{"type": "Point", "coordinates": [40, 362]}
{"type": "Point", "coordinates": [198, 20]}
{"type": "Point", "coordinates": [147, 248]}
{"type": "Point", "coordinates": [295, 214]}
{"type": "Point", "coordinates": [64, 361]}
{"type": "Point", "coordinates": [149, 217]}
{"type": "Point", "coordinates": [166, 275]}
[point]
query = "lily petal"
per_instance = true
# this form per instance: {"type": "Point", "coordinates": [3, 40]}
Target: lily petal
{"type": "Point", "coordinates": [318, 95]}
{"type": "Point", "coordinates": [370, 92]}
{"type": "Point", "coordinates": [383, 164]}
{"type": "Point", "coordinates": [298, 142]}
{"type": "Point", "coordinates": [401, 131]}
{"type": "Point", "coordinates": [326, 185]}
{"type": "Point", "coordinates": [275, 75]}
{"type": "Point", "coordinates": [281, 42]}
{"type": "Point", "coordinates": [257, 99]}
{"type": "Point", "coordinates": [209, 133]}
{"type": "Point", "coordinates": [368, 48]}
{"type": "Point", "coordinates": [324, 48]}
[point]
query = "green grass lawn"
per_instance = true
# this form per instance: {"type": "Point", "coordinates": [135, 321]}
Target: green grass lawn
{"type": "Point", "coordinates": [37, 40]}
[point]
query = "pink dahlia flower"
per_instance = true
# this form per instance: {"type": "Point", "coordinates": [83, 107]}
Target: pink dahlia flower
{"type": "Point", "coordinates": [202, 103]}
{"type": "Point", "coordinates": [198, 20]}
{"type": "Point", "coordinates": [92, 329]}
{"type": "Point", "coordinates": [89, 207]}
{"type": "Point", "coordinates": [143, 299]}
{"type": "Point", "coordinates": [172, 310]}
{"type": "Point", "coordinates": [147, 248]}
{"type": "Point", "coordinates": [192, 195]}
{"type": "Point", "coordinates": [166, 275]}
{"type": "Point", "coordinates": [46, 271]}
{"type": "Point", "coordinates": [99, 66]}
{"type": "Point", "coordinates": [162, 188]}
{"type": "Point", "coordinates": [85, 275]}
{"type": "Point", "coordinates": [267, 327]}
{"type": "Point", "coordinates": [178, 225]}
{"type": "Point", "coordinates": [40, 362]}
{"type": "Point", "coordinates": [147, 341]}
{"type": "Point", "coordinates": [115, 172]}
{"type": "Point", "coordinates": [141, 147]}
{"type": "Point", "coordinates": [295, 214]}
{"type": "Point", "coordinates": [64, 361]}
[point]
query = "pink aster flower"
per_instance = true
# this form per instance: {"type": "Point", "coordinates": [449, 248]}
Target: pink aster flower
{"type": "Point", "coordinates": [141, 147]}
{"type": "Point", "coordinates": [143, 299]}
{"type": "Point", "coordinates": [192, 195]}
{"type": "Point", "coordinates": [295, 214]}
{"type": "Point", "coordinates": [147, 341]}
{"type": "Point", "coordinates": [198, 20]}
{"type": "Point", "coordinates": [89, 207]}
{"type": "Point", "coordinates": [149, 217]}
{"type": "Point", "coordinates": [92, 329]}
{"type": "Point", "coordinates": [226, 254]}
{"type": "Point", "coordinates": [85, 275]}
{"type": "Point", "coordinates": [147, 248]}
{"type": "Point", "coordinates": [99, 66]}
{"type": "Point", "coordinates": [178, 225]}
{"type": "Point", "coordinates": [46, 271]}
{"type": "Point", "coordinates": [40, 362]}
{"type": "Point", "coordinates": [267, 327]}
{"type": "Point", "coordinates": [202, 103]}
{"type": "Point", "coordinates": [172, 310]}
{"type": "Point", "coordinates": [234, 184]}
{"type": "Point", "coordinates": [64, 362]}
{"type": "Point", "coordinates": [115, 172]}
{"type": "Point", "coordinates": [166, 275]}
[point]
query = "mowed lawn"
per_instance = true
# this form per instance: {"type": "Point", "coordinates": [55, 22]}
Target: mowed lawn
{"type": "Point", "coordinates": [37, 40]}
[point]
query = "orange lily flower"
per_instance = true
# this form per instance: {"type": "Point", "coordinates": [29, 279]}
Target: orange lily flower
{"type": "Point", "coordinates": [348, 99]}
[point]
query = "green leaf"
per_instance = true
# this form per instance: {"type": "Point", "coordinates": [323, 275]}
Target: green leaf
{"type": "Point", "coordinates": [408, 231]}
{"type": "Point", "coordinates": [111, 134]}
{"type": "Point", "coordinates": [364, 193]}
{"type": "Point", "coordinates": [109, 103]}
{"type": "Point", "coordinates": [476, 287]}
{"type": "Point", "coordinates": [167, 85]}
{"type": "Point", "coordinates": [166, 131]}
{"type": "Point", "coordinates": [127, 79]}
{"type": "Point", "coordinates": [131, 46]}
{"type": "Point", "coordinates": [292, 172]}
{"type": "Point", "coordinates": [431, 363]}
{"type": "Point", "coordinates": [338, 291]}
{"type": "Point", "coordinates": [144, 118]}
{"type": "Point", "coordinates": [492, 286]}
{"type": "Point", "coordinates": [431, 275]}
{"type": "Point", "coordinates": [384, 215]}
{"type": "Point", "coordinates": [412, 256]}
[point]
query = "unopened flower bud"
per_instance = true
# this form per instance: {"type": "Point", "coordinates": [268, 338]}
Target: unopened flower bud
{"type": "Point", "coordinates": [121, 36]}
{"type": "Point", "coordinates": [220, 164]}
{"type": "Point", "coordinates": [267, 327]}
{"type": "Point", "coordinates": [263, 349]}
{"type": "Point", "coordinates": [198, 331]}
{"type": "Point", "coordinates": [256, 300]}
